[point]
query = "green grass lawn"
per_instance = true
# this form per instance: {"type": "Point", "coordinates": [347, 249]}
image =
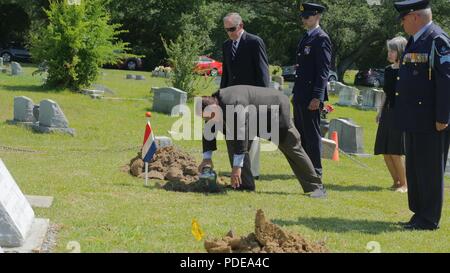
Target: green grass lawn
{"type": "Point", "coordinates": [106, 210]}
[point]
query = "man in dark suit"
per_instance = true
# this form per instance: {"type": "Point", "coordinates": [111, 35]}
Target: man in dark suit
{"type": "Point", "coordinates": [423, 111]}
{"type": "Point", "coordinates": [235, 103]}
{"type": "Point", "coordinates": [312, 69]}
{"type": "Point", "coordinates": [244, 62]}
{"type": "Point", "coordinates": [244, 56]}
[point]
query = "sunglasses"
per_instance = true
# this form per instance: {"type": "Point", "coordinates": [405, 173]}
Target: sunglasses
{"type": "Point", "coordinates": [231, 29]}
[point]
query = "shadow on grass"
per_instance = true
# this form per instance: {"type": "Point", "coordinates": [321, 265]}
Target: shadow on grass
{"type": "Point", "coordinates": [31, 88]}
{"type": "Point", "coordinates": [333, 187]}
{"type": "Point", "coordinates": [339, 225]}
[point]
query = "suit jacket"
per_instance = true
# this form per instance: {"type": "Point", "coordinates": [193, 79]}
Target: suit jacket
{"type": "Point", "coordinates": [245, 95]}
{"type": "Point", "coordinates": [250, 66]}
{"type": "Point", "coordinates": [423, 98]}
{"type": "Point", "coordinates": [312, 68]}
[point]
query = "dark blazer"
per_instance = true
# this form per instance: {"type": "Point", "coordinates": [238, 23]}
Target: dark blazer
{"type": "Point", "coordinates": [246, 95]}
{"type": "Point", "coordinates": [250, 66]}
{"type": "Point", "coordinates": [312, 68]}
{"type": "Point", "coordinates": [421, 100]}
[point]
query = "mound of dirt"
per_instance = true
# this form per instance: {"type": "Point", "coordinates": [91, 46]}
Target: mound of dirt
{"type": "Point", "coordinates": [176, 170]}
{"type": "Point", "coordinates": [267, 238]}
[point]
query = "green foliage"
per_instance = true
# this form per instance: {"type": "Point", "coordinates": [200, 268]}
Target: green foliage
{"type": "Point", "coordinates": [276, 70]}
{"type": "Point", "coordinates": [183, 53]}
{"type": "Point", "coordinates": [76, 42]}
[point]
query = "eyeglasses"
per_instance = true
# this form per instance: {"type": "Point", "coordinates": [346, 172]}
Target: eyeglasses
{"type": "Point", "coordinates": [231, 29]}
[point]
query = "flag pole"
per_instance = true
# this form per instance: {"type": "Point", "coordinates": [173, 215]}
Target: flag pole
{"type": "Point", "coordinates": [148, 115]}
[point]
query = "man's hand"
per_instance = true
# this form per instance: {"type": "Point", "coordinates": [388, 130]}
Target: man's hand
{"type": "Point", "coordinates": [204, 163]}
{"type": "Point", "coordinates": [236, 177]}
{"type": "Point", "coordinates": [441, 126]}
{"type": "Point", "coordinates": [314, 105]}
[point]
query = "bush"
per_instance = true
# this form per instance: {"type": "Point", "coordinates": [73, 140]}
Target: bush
{"type": "Point", "coordinates": [77, 41]}
{"type": "Point", "coordinates": [183, 55]}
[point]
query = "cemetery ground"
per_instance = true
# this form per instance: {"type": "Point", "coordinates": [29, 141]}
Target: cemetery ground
{"type": "Point", "coordinates": [106, 210]}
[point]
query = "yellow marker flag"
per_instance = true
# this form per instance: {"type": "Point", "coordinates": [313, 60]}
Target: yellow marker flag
{"type": "Point", "coordinates": [196, 230]}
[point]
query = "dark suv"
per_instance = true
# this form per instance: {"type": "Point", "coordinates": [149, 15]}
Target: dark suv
{"type": "Point", "coordinates": [15, 53]}
{"type": "Point", "coordinates": [370, 77]}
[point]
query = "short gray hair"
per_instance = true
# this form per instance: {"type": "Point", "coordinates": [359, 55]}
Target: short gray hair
{"type": "Point", "coordinates": [235, 18]}
{"type": "Point", "coordinates": [397, 44]}
{"type": "Point", "coordinates": [425, 14]}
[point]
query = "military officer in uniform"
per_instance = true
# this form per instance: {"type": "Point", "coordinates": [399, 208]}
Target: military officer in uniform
{"type": "Point", "coordinates": [423, 111]}
{"type": "Point", "coordinates": [309, 92]}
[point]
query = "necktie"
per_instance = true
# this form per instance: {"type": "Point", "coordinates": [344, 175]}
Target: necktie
{"type": "Point", "coordinates": [233, 49]}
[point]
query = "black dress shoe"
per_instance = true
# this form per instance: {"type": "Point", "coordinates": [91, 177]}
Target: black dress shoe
{"type": "Point", "coordinates": [418, 226]}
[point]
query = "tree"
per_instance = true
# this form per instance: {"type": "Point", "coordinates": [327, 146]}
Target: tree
{"type": "Point", "coordinates": [183, 54]}
{"type": "Point", "coordinates": [76, 42]}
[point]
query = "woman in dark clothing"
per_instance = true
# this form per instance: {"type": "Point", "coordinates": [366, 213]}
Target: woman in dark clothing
{"type": "Point", "coordinates": [389, 141]}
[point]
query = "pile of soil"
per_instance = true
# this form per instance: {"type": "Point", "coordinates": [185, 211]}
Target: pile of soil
{"type": "Point", "coordinates": [267, 238]}
{"type": "Point", "coordinates": [176, 170]}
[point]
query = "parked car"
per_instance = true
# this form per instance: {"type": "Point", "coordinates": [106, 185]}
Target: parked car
{"type": "Point", "coordinates": [370, 77]}
{"type": "Point", "coordinates": [289, 74]}
{"type": "Point", "coordinates": [15, 53]}
{"type": "Point", "coordinates": [208, 66]}
{"type": "Point", "coordinates": [127, 63]}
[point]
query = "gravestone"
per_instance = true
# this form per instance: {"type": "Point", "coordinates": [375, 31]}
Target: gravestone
{"type": "Point", "coordinates": [140, 77]}
{"type": "Point", "coordinates": [337, 87]}
{"type": "Point", "coordinates": [16, 69]}
{"type": "Point", "coordinates": [131, 77]}
{"type": "Point", "coordinates": [1, 62]}
{"type": "Point", "coordinates": [52, 119]}
{"type": "Point", "coordinates": [166, 98]}
{"type": "Point", "coordinates": [23, 110]}
{"type": "Point", "coordinates": [16, 214]}
{"type": "Point", "coordinates": [103, 88]}
{"type": "Point", "coordinates": [328, 147]}
{"type": "Point", "coordinates": [350, 136]}
{"type": "Point", "coordinates": [1, 250]}
{"type": "Point", "coordinates": [348, 96]}
{"type": "Point", "coordinates": [372, 99]}
{"type": "Point", "coordinates": [162, 141]}
{"type": "Point", "coordinates": [93, 93]}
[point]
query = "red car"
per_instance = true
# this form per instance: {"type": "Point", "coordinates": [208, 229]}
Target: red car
{"type": "Point", "coordinates": [208, 66]}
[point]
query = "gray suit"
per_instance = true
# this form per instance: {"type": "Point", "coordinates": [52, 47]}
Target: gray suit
{"type": "Point", "coordinates": [289, 137]}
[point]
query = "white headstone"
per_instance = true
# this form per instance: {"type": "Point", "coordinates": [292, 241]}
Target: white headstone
{"type": "Point", "coordinates": [162, 141]}
{"type": "Point", "coordinates": [337, 87]}
{"type": "Point", "coordinates": [350, 136]}
{"type": "Point", "coordinates": [1, 250]}
{"type": "Point", "coordinates": [328, 148]}
{"type": "Point", "coordinates": [1, 62]}
{"type": "Point", "coordinates": [371, 98]}
{"type": "Point", "coordinates": [51, 115]}
{"type": "Point", "coordinates": [23, 109]}
{"type": "Point", "coordinates": [16, 214]}
{"type": "Point", "coordinates": [16, 69]}
{"type": "Point", "coordinates": [166, 98]}
{"type": "Point", "coordinates": [348, 96]}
